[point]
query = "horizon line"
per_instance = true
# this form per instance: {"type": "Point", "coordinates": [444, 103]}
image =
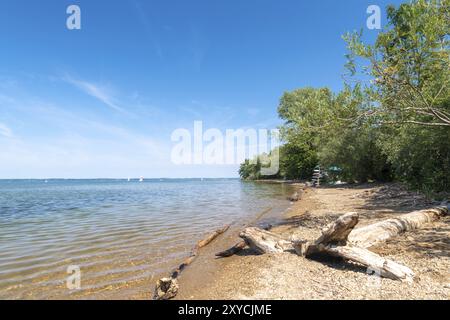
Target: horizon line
{"type": "Point", "coordinates": [131, 178]}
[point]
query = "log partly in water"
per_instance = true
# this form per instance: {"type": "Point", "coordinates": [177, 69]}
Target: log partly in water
{"type": "Point", "coordinates": [242, 245]}
{"type": "Point", "coordinates": [370, 235]}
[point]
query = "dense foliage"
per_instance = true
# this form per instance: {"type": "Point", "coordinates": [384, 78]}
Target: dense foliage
{"type": "Point", "coordinates": [392, 120]}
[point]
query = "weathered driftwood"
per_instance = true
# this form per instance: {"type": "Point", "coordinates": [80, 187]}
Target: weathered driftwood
{"type": "Point", "coordinates": [167, 288]}
{"type": "Point", "coordinates": [233, 250]}
{"type": "Point", "coordinates": [335, 233]}
{"type": "Point", "coordinates": [242, 245]}
{"type": "Point", "coordinates": [333, 241]}
{"type": "Point", "coordinates": [263, 241]}
{"type": "Point", "coordinates": [383, 267]}
{"type": "Point", "coordinates": [338, 231]}
{"type": "Point", "coordinates": [373, 234]}
{"type": "Point", "coordinates": [211, 237]}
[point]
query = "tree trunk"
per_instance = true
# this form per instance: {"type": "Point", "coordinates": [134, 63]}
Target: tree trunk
{"type": "Point", "coordinates": [370, 235]}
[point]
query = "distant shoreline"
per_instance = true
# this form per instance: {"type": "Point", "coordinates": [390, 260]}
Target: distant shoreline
{"type": "Point", "coordinates": [113, 179]}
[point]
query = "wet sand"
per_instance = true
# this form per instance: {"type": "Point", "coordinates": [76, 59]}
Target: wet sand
{"type": "Point", "coordinates": [287, 276]}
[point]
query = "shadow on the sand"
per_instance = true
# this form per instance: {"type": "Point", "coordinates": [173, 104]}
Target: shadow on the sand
{"type": "Point", "coordinates": [337, 263]}
{"type": "Point", "coordinates": [431, 242]}
{"type": "Point", "coordinates": [386, 198]}
{"type": "Point", "coordinates": [435, 242]}
{"type": "Point", "coordinates": [247, 252]}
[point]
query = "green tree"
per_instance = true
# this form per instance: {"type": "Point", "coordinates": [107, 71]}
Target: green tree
{"type": "Point", "coordinates": [317, 131]}
{"type": "Point", "coordinates": [352, 145]}
{"type": "Point", "coordinates": [394, 122]}
{"type": "Point", "coordinates": [297, 161]}
{"type": "Point", "coordinates": [306, 112]}
{"type": "Point", "coordinates": [409, 65]}
{"type": "Point", "coordinates": [250, 170]}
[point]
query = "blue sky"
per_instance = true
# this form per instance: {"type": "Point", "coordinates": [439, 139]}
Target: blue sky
{"type": "Point", "coordinates": [103, 101]}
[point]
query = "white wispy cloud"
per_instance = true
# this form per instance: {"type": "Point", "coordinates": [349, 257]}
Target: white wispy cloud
{"type": "Point", "coordinates": [96, 91]}
{"type": "Point", "coordinates": [5, 131]}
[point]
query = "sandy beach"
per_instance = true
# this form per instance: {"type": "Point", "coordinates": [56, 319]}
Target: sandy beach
{"type": "Point", "coordinates": [288, 276]}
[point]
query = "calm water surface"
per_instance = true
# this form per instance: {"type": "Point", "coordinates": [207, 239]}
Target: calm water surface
{"type": "Point", "coordinates": [121, 234]}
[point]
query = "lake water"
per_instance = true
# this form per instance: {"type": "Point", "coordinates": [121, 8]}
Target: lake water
{"type": "Point", "coordinates": [121, 234]}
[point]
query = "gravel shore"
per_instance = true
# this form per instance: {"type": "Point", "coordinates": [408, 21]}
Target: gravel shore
{"type": "Point", "coordinates": [287, 276]}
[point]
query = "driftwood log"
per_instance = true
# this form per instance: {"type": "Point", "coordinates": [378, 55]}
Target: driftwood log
{"type": "Point", "coordinates": [263, 241]}
{"type": "Point", "coordinates": [335, 233]}
{"type": "Point", "coordinates": [233, 250]}
{"type": "Point", "coordinates": [384, 267]}
{"type": "Point", "coordinates": [241, 245]}
{"type": "Point", "coordinates": [338, 231]}
{"type": "Point", "coordinates": [167, 288]}
{"type": "Point", "coordinates": [333, 241]}
{"type": "Point", "coordinates": [373, 234]}
{"type": "Point", "coordinates": [296, 196]}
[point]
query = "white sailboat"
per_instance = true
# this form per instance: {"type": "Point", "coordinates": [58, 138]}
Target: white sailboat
{"type": "Point", "coordinates": [141, 179]}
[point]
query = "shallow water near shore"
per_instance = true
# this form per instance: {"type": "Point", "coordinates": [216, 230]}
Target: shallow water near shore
{"type": "Point", "coordinates": [122, 234]}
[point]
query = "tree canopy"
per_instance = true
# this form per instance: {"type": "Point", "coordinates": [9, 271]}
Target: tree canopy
{"type": "Point", "coordinates": [391, 120]}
